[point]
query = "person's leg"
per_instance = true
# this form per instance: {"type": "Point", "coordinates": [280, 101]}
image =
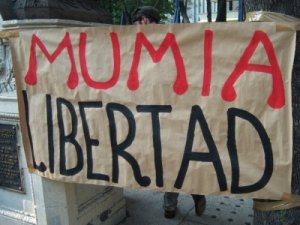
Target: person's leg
{"type": "Point", "coordinates": [200, 204]}
{"type": "Point", "coordinates": [170, 204]}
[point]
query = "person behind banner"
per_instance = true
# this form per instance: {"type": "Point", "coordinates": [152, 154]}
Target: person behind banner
{"type": "Point", "coordinates": [150, 15]}
{"type": "Point", "coordinates": [146, 15]}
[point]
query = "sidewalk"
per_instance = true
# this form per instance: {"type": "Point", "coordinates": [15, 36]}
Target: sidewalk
{"type": "Point", "coordinates": [145, 208]}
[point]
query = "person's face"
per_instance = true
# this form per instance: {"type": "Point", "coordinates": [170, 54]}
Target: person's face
{"type": "Point", "coordinates": [142, 20]}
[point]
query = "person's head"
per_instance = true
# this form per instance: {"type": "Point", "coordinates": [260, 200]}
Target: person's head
{"type": "Point", "coordinates": [146, 15]}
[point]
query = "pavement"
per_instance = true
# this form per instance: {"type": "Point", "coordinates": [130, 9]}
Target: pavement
{"type": "Point", "coordinates": [145, 208]}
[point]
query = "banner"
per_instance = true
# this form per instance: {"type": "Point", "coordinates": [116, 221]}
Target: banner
{"type": "Point", "coordinates": [195, 108]}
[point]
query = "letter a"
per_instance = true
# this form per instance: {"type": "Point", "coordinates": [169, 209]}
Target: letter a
{"type": "Point", "coordinates": [277, 98]}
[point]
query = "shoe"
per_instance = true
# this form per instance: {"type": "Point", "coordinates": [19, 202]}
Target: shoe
{"type": "Point", "coordinates": [200, 204]}
{"type": "Point", "coordinates": [169, 214]}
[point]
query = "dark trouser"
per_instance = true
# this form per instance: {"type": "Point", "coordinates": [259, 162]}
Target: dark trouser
{"type": "Point", "coordinates": [170, 201]}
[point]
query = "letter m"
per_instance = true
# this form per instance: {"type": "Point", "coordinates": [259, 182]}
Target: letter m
{"type": "Point", "coordinates": [31, 76]}
{"type": "Point", "coordinates": [180, 84]}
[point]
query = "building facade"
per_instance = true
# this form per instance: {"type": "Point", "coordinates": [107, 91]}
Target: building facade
{"type": "Point", "coordinates": [197, 10]}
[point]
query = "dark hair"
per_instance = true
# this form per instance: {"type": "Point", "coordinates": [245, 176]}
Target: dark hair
{"type": "Point", "coordinates": [148, 11]}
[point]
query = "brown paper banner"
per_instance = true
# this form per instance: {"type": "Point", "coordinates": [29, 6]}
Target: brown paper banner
{"type": "Point", "coordinates": [195, 108]}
